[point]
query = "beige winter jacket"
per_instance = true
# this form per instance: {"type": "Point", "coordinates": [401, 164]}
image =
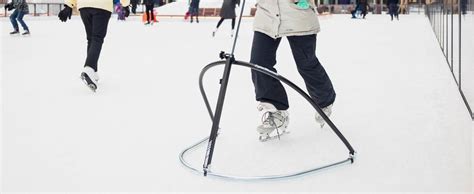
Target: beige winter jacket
{"type": "Point", "coordinates": [100, 4]}
{"type": "Point", "coordinates": [277, 18]}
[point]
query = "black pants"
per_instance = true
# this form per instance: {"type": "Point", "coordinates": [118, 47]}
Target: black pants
{"type": "Point", "coordinates": [134, 7]}
{"type": "Point", "coordinates": [96, 22]}
{"type": "Point", "coordinates": [270, 90]}
{"type": "Point", "coordinates": [393, 10]}
{"type": "Point", "coordinates": [149, 10]}
{"type": "Point", "coordinates": [222, 19]}
{"type": "Point", "coordinates": [359, 7]}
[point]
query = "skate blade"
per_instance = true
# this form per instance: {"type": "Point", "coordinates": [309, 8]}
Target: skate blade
{"type": "Point", "coordinates": [267, 137]}
{"type": "Point", "coordinates": [87, 80]}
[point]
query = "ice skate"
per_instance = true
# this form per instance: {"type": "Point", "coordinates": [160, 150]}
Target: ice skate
{"type": "Point", "coordinates": [273, 120]}
{"type": "Point", "coordinates": [27, 33]}
{"type": "Point", "coordinates": [214, 32]}
{"type": "Point", "coordinates": [90, 78]}
{"type": "Point", "coordinates": [14, 33]}
{"type": "Point", "coordinates": [327, 110]}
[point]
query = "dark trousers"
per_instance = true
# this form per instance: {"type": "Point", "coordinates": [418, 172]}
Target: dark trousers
{"type": "Point", "coordinates": [18, 15]}
{"type": "Point", "coordinates": [148, 11]}
{"type": "Point", "coordinates": [363, 11]}
{"type": "Point", "coordinates": [222, 19]}
{"type": "Point", "coordinates": [96, 22]}
{"type": "Point", "coordinates": [134, 7]}
{"type": "Point", "coordinates": [393, 10]}
{"type": "Point", "coordinates": [270, 90]}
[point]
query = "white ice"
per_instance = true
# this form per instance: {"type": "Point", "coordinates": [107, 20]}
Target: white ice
{"type": "Point", "coordinates": [397, 104]}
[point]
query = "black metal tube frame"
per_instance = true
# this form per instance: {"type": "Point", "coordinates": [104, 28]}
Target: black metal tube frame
{"type": "Point", "coordinates": [213, 116]}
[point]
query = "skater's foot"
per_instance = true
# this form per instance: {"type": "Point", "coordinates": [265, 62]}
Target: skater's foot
{"type": "Point", "coordinates": [90, 78]}
{"type": "Point", "coordinates": [26, 33]}
{"type": "Point", "coordinates": [16, 32]}
{"type": "Point", "coordinates": [213, 33]}
{"type": "Point", "coordinates": [327, 111]}
{"type": "Point", "coordinates": [272, 120]}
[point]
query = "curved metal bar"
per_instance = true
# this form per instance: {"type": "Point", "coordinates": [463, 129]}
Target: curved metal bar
{"type": "Point", "coordinates": [250, 178]}
{"type": "Point", "coordinates": [201, 86]}
{"type": "Point", "coordinates": [265, 71]}
{"type": "Point", "coordinates": [282, 79]}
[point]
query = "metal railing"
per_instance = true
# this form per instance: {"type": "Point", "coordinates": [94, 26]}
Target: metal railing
{"type": "Point", "coordinates": [53, 8]}
{"type": "Point", "coordinates": [38, 9]}
{"type": "Point", "coordinates": [453, 25]}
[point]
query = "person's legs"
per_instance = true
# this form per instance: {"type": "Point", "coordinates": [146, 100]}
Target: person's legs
{"type": "Point", "coordinates": [20, 19]}
{"type": "Point", "coordinates": [152, 14]}
{"type": "Point", "coordinates": [217, 27]}
{"type": "Point", "coordinates": [134, 8]}
{"type": "Point", "coordinates": [196, 11]}
{"type": "Point", "coordinates": [96, 22]}
{"type": "Point", "coordinates": [233, 23]}
{"type": "Point", "coordinates": [13, 20]}
{"type": "Point", "coordinates": [149, 12]}
{"type": "Point", "coordinates": [86, 18]}
{"type": "Point", "coordinates": [391, 9]}
{"type": "Point", "coordinates": [396, 11]}
{"type": "Point", "coordinates": [273, 101]}
{"type": "Point", "coordinates": [267, 89]}
{"type": "Point", "coordinates": [317, 81]}
{"type": "Point", "coordinates": [219, 23]}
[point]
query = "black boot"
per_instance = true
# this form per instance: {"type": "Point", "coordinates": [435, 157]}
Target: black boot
{"type": "Point", "coordinates": [15, 32]}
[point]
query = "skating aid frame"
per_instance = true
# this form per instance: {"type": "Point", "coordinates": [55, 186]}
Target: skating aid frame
{"type": "Point", "coordinates": [215, 117]}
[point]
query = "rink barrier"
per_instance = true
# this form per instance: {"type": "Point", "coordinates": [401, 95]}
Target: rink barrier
{"type": "Point", "coordinates": [52, 9]}
{"type": "Point", "coordinates": [442, 17]}
{"type": "Point", "coordinates": [207, 171]}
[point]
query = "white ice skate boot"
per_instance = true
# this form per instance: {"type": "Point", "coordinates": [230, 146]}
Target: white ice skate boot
{"type": "Point", "coordinates": [90, 78]}
{"type": "Point", "coordinates": [327, 110]}
{"type": "Point", "coordinates": [272, 119]}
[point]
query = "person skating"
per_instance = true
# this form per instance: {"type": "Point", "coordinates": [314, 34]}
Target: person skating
{"type": "Point", "coordinates": [21, 9]}
{"type": "Point", "coordinates": [122, 10]}
{"type": "Point", "coordinates": [95, 14]}
{"type": "Point", "coordinates": [362, 7]}
{"type": "Point", "coordinates": [227, 12]}
{"type": "Point", "coordinates": [149, 5]}
{"type": "Point", "coordinates": [134, 4]}
{"type": "Point", "coordinates": [194, 10]}
{"type": "Point", "coordinates": [300, 26]}
{"type": "Point", "coordinates": [393, 8]}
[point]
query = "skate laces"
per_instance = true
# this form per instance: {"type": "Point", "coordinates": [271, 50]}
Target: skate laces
{"type": "Point", "coordinates": [269, 118]}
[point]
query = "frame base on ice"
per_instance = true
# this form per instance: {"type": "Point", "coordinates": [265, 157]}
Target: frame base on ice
{"type": "Point", "coordinates": [350, 159]}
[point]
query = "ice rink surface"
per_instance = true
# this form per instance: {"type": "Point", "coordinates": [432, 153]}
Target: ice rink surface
{"type": "Point", "coordinates": [397, 104]}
